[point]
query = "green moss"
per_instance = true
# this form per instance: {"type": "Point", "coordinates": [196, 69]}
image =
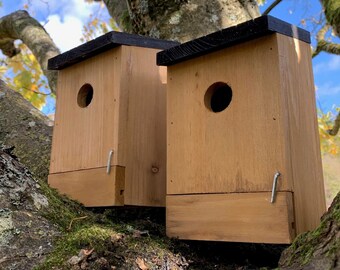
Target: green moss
{"type": "Point", "coordinates": [61, 210]}
{"type": "Point", "coordinates": [305, 245]}
{"type": "Point", "coordinates": [90, 236]}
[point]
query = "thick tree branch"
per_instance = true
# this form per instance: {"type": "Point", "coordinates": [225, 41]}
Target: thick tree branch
{"type": "Point", "coordinates": [336, 126]}
{"type": "Point", "coordinates": [273, 5]}
{"type": "Point", "coordinates": [323, 44]}
{"type": "Point", "coordinates": [20, 25]}
{"type": "Point", "coordinates": [332, 12]}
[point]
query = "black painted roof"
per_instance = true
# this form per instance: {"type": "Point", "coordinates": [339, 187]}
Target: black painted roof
{"type": "Point", "coordinates": [103, 43]}
{"type": "Point", "coordinates": [240, 33]}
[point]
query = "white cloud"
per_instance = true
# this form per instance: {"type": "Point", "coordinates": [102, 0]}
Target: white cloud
{"type": "Point", "coordinates": [328, 89]}
{"type": "Point", "coordinates": [65, 19]}
{"type": "Point", "coordinates": [65, 33]}
{"type": "Point", "coordinates": [77, 8]}
{"type": "Point", "coordinates": [332, 64]}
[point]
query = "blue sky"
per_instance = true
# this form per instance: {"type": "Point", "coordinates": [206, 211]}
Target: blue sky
{"type": "Point", "coordinates": [64, 19]}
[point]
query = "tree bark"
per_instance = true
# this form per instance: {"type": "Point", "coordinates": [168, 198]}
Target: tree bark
{"type": "Point", "coordinates": [25, 130]}
{"type": "Point", "coordinates": [20, 25]}
{"type": "Point", "coordinates": [181, 20]}
{"type": "Point", "coordinates": [332, 12]}
{"type": "Point", "coordinates": [25, 236]}
{"type": "Point", "coordinates": [319, 249]}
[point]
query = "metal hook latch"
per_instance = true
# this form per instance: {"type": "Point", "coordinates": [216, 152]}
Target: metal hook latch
{"type": "Point", "coordinates": [108, 168]}
{"type": "Point", "coordinates": [276, 177]}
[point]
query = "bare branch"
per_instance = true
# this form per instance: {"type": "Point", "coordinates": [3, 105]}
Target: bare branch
{"type": "Point", "coordinates": [20, 25]}
{"type": "Point", "coordinates": [273, 5]}
{"type": "Point", "coordinates": [324, 45]}
{"type": "Point", "coordinates": [336, 126]}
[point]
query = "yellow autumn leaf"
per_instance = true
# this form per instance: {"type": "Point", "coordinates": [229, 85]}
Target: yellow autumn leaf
{"type": "Point", "coordinates": [16, 66]}
{"type": "Point", "coordinates": [31, 57]}
{"type": "Point", "coordinates": [3, 69]}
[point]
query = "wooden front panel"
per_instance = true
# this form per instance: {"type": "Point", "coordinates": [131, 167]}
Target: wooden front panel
{"type": "Point", "coordinates": [143, 85]}
{"type": "Point", "coordinates": [236, 150]}
{"type": "Point", "coordinates": [92, 187]}
{"type": "Point", "coordinates": [239, 217]}
{"type": "Point", "coordinates": [83, 137]}
{"type": "Point", "coordinates": [302, 131]}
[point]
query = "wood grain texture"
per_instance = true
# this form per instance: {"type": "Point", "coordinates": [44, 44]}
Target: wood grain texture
{"type": "Point", "coordinates": [236, 150]}
{"type": "Point", "coordinates": [144, 119]}
{"type": "Point", "coordinates": [83, 137]}
{"type": "Point", "coordinates": [239, 217]}
{"type": "Point", "coordinates": [127, 115]}
{"type": "Point", "coordinates": [103, 43]}
{"type": "Point", "coordinates": [93, 187]}
{"type": "Point", "coordinates": [302, 131]}
{"type": "Point", "coordinates": [234, 35]}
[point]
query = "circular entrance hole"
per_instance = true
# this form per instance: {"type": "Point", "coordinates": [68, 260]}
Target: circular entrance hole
{"type": "Point", "coordinates": [218, 97]}
{"type": "Point", "coordinates": [85, 95]}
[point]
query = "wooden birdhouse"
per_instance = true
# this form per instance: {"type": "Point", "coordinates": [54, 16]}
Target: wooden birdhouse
{"type": "Point", "coordinates": [243, 154]}
{"type": "Point", "coordinates": [109, 136]}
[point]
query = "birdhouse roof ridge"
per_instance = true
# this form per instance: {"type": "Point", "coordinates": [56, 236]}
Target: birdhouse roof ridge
{"type": "Point", "coordinates": [103, 43]}
{"type": "Point", "coordinates": [228, 37]}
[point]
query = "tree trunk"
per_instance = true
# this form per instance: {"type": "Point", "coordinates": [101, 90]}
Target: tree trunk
{"type": "Point", "coordinates": [181, 20]}
{"type": "Point", "coordinates": [25, 130]}
{"type": "Point", "coordinates": [319, 249]}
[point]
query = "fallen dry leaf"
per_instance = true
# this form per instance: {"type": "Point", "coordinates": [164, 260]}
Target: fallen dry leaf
{"type": "Point", "coordinates": [141, 264]}
{"type": "Point", "coordinates": [116, 237]}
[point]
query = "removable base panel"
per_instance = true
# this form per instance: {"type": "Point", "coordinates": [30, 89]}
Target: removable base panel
{"type": "Point", "coordinates": [234, 217]}
{"type": "Point", "coordinates": [93, 187]}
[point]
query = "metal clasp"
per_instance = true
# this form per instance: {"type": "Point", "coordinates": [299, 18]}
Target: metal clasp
{"type": "Point", "coordinates": [108, 168]}
{"type": "Point", "coordinates": [276, 177]}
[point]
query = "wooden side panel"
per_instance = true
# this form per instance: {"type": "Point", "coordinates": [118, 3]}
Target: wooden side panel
{"type": "Point", "coordinates": [236, 150]}
{"type": "Point", "coordinates": [239, 217]}
{"type": "Point", "coordinates": [302, 131]}
{"type": "Point", "coordinates": [143, 126]}
{"type": "Point", "coordinates": [83, 137]}
{"type": "Point", "coordinates": [92, 187]}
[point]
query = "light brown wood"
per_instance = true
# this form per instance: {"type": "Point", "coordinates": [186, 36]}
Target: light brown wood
{"type": "Point", "coordinates": [83, 137]}
{"type": "Point", "coordinates": [238, 217]}
{"type": "Point", "coordinates": [236, 150]}
{"type": "Point", "coordinates": [93, 187]}
{"type": "Point", "coordinates": [143, 85]}
{"type": "Point", "coordinates": [269, 126]}
{"type": "Point", "coordinates": [302, 131]}
{"type": "Point", "coordinates": [127, 115]}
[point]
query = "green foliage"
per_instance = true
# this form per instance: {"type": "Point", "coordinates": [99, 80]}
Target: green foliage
{"type": "Point", "coordinates": [329, 144]}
